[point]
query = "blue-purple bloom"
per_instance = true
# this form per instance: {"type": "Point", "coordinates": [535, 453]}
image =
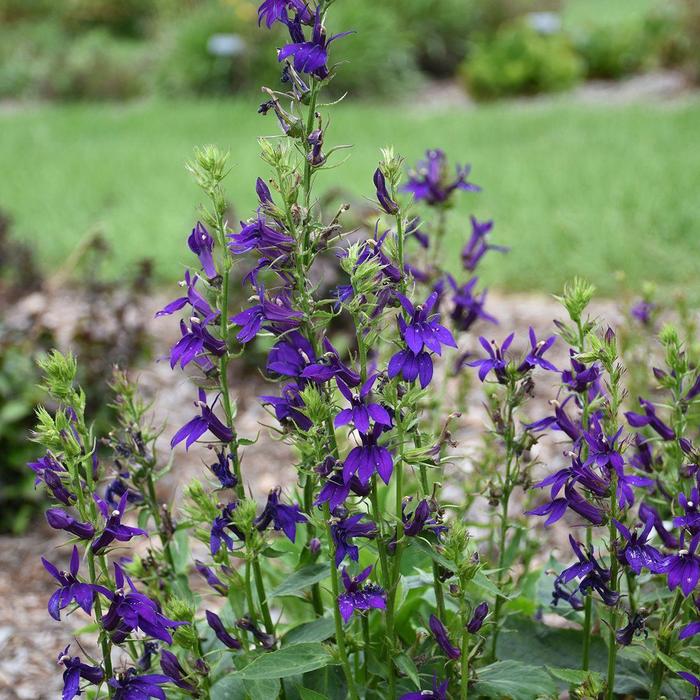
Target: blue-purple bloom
{"type": "Point", "coordinates": [383, 196]}
{"type": "Point", "coordinates": [468, 306]}
{"type": "Point", "coordinates": [258, 235]}
{"type": "Point", "coordinates": [344, 529]}
{"type": "Point", "coordinates": [362, 409]}
{"type": "Point", "coordinates": [477, 246]}
{"type": "Point", "coordinates": [443, 639]}
{"type": "Point", "coordinates": [423, 329]}
{"type": "Point", "coordinates": [193, 298]}
{"type": "Point", "coordinates": [223, 523]}
{"type": "Point", "coordinates": [195, 340]}
{"type": "Point", "coordinates": [271, 11]}
{"type": "Point", "coordinates": [439, 692]}
{"type": "Point", "coordinates": [215, 622]}
{"type": "Point", "coordinates": [289, 407]}
{"type": "Point", "coordinates": [283, 517]}
{"type": "Point", "coordinates": [368, 458]}
{"type": "Point", "coordinates": [59, 519]}
{"type": "Point", "coordinates": [211, 578]}
{"type": "Point", "coordinates": [636, 553]}
{"type": "Point", "coordinates": [683, 567]}
{"type": "Point", "coordinates": [431, 182]}
{"type": "Point", "coordinates": [222, 469]}
{"type": "Point", "coordinates": [71, 589]}
{"type": "Point", "coordinates": [207, 420]}
{"type": "Point", "coordinates": [478, 617]}
{"type": "Point", "coordinates": [330, 365]}
{"type": "Point", "coordinates": [649, 417]}
{"type": "Point", "coordinates": [693, 680]}
{"type": "Point", "coordinates": [75, 670]}
{"type": "Point", "coordinates": [496, 361]}
{"type": "Point", "coordinates": [201, 243]}
{"type": "Point", "coordinates": [274, 314]}
{"type": "Point", "coordinates": [172, 668]}
{"type": "Point", "coordinates": [130, 610]}
{"type": "Point", "coordinates": [359, 597]}
{"type": "Point", "coordinates": [114, 529]}
{"type": "Point", "coordinates": [130, 686]}
{"type": "Point", "coordinates": [535, 356]}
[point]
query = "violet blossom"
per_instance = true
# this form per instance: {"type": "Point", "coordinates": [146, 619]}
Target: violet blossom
{"type": "Point", "coordinates": [359, 597]}
{"type": "Point", "coordinates": [283, 517]}
{"type": "Point", "coordinates": [430, 181]}
{"type": "Point", "coordinates": [206, 421]}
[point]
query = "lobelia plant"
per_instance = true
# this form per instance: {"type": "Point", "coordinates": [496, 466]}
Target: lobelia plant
{"type": "Point", "coordinates": [360, 580]}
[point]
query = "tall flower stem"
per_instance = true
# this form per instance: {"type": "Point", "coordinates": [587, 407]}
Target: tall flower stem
{"type": "Point", "coordinates": [339, 632]}
{"type": "Point", "coordinates": [588, 615]}
{"type": "Point", "coordinates": [614, 570]}
{"type": "Point", "coordinates": [105, 645]}
{"type": "Point", "coordinates": [262, 597]}
{"type": "Point", "coordinates": [665, 633]}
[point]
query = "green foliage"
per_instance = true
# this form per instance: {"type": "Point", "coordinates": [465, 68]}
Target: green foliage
{"type": "Point", "coordinates": [125, 17]}
{"type": "Point", "coordinates": [611, 52]}
{"type": "Point", "coordinates": [380, 46]}
{"type": "Point", "coordinates": [520, 61]}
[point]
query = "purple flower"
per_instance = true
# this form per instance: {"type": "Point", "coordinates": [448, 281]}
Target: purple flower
{"type": "Point", "coordinates": [602, 449]}
{"type": "Point", "coordinates": [383, 196]}
{"type": "Point", "coordinates": [683, 568]}
{"type": "Point", "coordinates": [268, 641]}
{"type": "Point", "coordinates": [372, 249]}
{"type": "Point", "coordinates": [201, 244]}
{"type": "Point", "coordinates": [423, 329]}
{"type": "Point", "coordinates": [290, 356]}
{"type": "Point", "coordinates": [442, 638]}
{"type": "Point", "coordinates": [411, 366]}
{"type": "Point", "coordinates": [222, 469]}
{"type": "Point", "coordinates": [129, 686]}
{"type": "Point", "coordinates": [309, 56]}
{"type": "Point", "coordinates": [496, 361]}
{"type": "Point", "coordinates": [59, 519]}
{"type": "Point", "coordinates": [131, 610]}
{"type": "Point", "coordinates": [439, 692]}
{"type": "Point", "coordinates": [272, 11]}
{"type": "Point", "coordinates": [283, 517]}
{"type": "Point", "coordinates": [193, 298]}
{"type": "Point", "coordinates": [368, 458]}
{"type": "Point", "coordinates": [693, 680]}
{"type": "Point", "coordinates": [219, 535]}
{"type": "Point", "coordinates": [358, 597]}
{"type": "Point", "coordinates": [362, 409]}
{"type": "Point", "coordinates": [214, 621]}
{"type": "Point", "coordinates": [195, 340]}
{"type": "Point", "coordinates": [70, 588]}
{"type": "Point", "coordinates": [535, 357]}
{"type": "Point", "coordinates": [421, 519]}
{"type": "Point", "coordinates": [691, 511]}
{"type": "Point", "coordinates": [207, 420]}
{"type": "Point", "coordinates": [468, 307]}
{"type": "Point", "coordinates": [642, 311]}
{"type": "Point", "coordinates": [343, 529]}
{"type": "Point", "coordinates": [430, 181]}
{"type": "Point", "coordinates": [690, 630]}
{"type": "Point", "coordinates": [646, 511]}
{"type": "Point", "coordinates": [173, 669]}
{"type": "Point", "coordinates": [113, 529]}
{"type": "Point", "coordinates": [334, 490]}
{"type": "Point", "coordinates": [480, 613]}
{"type": "Point", "coordinates": [47, 463]}
{"type": "Point", "coordinates": [289, 407]}
{"type": "Point", "coordinates": [211, 578]}
{"type": "Point", "coordinates": [649, 417]}
{"type": "Point", "coordinates": [258, 235]}
{"type": "Point", "coordinates": [635, 627]}
{"type": "Point", "coordinates": [274, 314]}
{"type": "Point", "coordinates": [560, 421]}
{"type": "Point", "coordinates": [330, 365]}
{"type": "Point", "coordinates": [580, 378]}
{"type": "Point", "coordinates": [591, 574]}
{"type": "Point", "coordinates": [637, 554]}
{"type": "Point", "coordinates": [75, 670]}
{"type": "Point", "coordinates": [477, 246]}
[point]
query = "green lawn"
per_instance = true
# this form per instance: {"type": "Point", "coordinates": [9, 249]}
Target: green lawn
{"type": "Point", "coordinates": [597, 12]}
{"type": "Point", "coordinates": [598, 191]}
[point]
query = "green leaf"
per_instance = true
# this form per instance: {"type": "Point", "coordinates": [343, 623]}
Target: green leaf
{"type": "Point", "coordinates": [299, 580]}
{"type": "Point", "coordinates": [671, 664]}
{"type": "Point", "coordinates": [287, 661]}
{"type": "Point", "coordinates": [315, 631]}
{"type": "Point", "coordinates": [405, 664]}
{"type": "Point", "coordinates": [306, 694]}
{"type": "Point", "coordinates": [514, 680]}
{"type": "Point", "coordinates": [263, 689]}
{"type": "Point", "coordinates": [229, 687]}
{"type": "Point", "coordinates": [572, 676]}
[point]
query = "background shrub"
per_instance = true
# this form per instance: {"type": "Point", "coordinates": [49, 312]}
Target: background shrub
{"type": "Point", "coordinates": [520, 61]}
{"type": "Point", "coordinates": [613, 51]}
{"type": "Point", "coordinates": [126, 17]}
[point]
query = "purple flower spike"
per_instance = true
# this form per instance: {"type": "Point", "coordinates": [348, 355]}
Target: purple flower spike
{"type": "Point", "coordinates": [693, 680]}
{"type": "Point", "coordinates": [282, 516]}
{"type": "Point", "coordinates": [411, 366]}
{"type": "Point", "coordinates": [535, 357]}
{"type": "Point", "coordinates": [258, 235]}
{"type": "Point", "coordinates": [201, 243]}
{"type": "Point", "coordinates": [358, 597]}
{"type": "Point", "coordinates": [431, 182]}
{"type": "Point", "coordinates": [58, 519]}
{"type": "Point", "coordinates": [214, 621]}
{"type": "Point", "coordinates": [271, 11]}
{"type": "Point", "coordinates": [75, 670]}
{"type": "Point", "coordinates": [383, 196]}
{"type": "Point", "coordinates": [496, 361]}
{"type": "Point", "coordinates": [207, 420]}
{"type": "Point", "coordinates": [649, 417]}
{"type": "Point", "coordinates": [468, 306]}
{"type": "Point", "coordinates": [173, 669]}
{"type": "Point", "coordinates": [275, 315]}
{"type": "Point", "coordinates": [423, 330]}
{"type": "Point", "coordinates": [70, 588]}
{"type": "Point", "coordinates": [442, 638]}
{"type": "Point", "coordinates": [114, 530]}
{"type": "Point", "coordinates": [289, 408]}
{"type": "Point", "coordinates": [362, 408]}
{"type": "Point", "coordinates": [439, 692]}
{"type": "Point", "coordinates": [211, 578]}
{"type": "Point", "coordinates": [691, 511]}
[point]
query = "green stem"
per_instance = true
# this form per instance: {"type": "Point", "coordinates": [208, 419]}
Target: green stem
{"type": "Point", "coordinates": [339, 632]}
{"type": "Point", "coordinates": [665, 633]}
{"type": "Point", "coordinates": [155, 512]}
{"type": "Point", "coordinates": [612, 641]}
{"type": "Point", "coordinates": [249, 594]}
{"type": "Point", "coordinates": [464, 687]}
{"type": "Point", "coordinates": [588, 615]}
{"type": "Point", "coordinates": [105, 645]}
{"type": "Point", "coordinates": [262, 597]}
